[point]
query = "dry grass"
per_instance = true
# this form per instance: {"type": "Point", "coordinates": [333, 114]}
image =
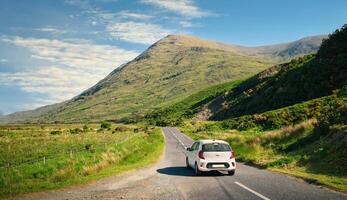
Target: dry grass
{"type": "Point", "coordinates": [107, 159]}
{"type": "Point", "coordinates": [63, 174]}
{"type": "Point", "coordinates": [290, 131]}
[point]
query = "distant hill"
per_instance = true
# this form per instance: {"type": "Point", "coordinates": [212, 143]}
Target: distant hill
{"type": "Point", "coordinates": [167, 72]}
{"type": "Point", "coordinates": [286, 51]}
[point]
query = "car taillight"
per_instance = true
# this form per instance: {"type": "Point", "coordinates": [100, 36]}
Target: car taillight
{"type": "Point", "coordinates": [232, 155]}
{"type": "Point", "coordinates": [201, 155]}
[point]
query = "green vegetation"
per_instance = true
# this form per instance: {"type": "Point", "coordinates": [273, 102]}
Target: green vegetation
{"type": "Point", "coordinates": [286, 116]}
{"type": "Point", "coordinates": [290, 118]}
{"type": "Point", "coordinates": [302, 150]}
{"type": "Point", "coordinates": [300, 80]}
{"type": "Point", "coordinates": [185, 109]}
{"type": "Point", "coordinates": [35, 158]}
{"type": "Point", "coordinates": [167, 72]}
{"type": "Point", "coordinates": [313, 149]}
{"type": "Point", "coordinates": [105, 125]}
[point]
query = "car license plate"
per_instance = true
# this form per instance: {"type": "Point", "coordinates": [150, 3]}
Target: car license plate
{"type": "Point", "coordinates": [217, 166]}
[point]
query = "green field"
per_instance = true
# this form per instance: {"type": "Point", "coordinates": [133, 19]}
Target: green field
{"type": "Point", "coordinates": [41, 157]}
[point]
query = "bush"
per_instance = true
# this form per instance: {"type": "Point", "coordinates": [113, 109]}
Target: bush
{"type": "Point", "coordinates": [105, 125]}
{"type": "Point", "coordinates": [90, 148]}
{"type": "Point", "coordinates": [85, 128]}
{"type": "Point", "coordinates": [56, 132]}
{"type": "Point", "coordinates": [121, 129]}
{"type": "Point", "coordinates": [76, 131]}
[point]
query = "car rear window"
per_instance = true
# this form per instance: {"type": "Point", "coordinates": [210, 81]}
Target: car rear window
{"type": "Point", "coordinates": [215, 147]}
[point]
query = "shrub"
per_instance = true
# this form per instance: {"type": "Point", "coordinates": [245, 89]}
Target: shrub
{"type": "Point", "coordinates": [121, 129]}
{"type": "Point", "coordinates": [76, 131]}
{"type": "Point", "coordinates": [57, 132]}
{"type": "Point", "coordinates": [85, 128]}
{"type": "Point", "coordinates": [105, 125]}
{"type": "Point", "coordinates": [90, 148]}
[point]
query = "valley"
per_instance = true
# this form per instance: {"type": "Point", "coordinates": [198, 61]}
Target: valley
{"type": "Point", "coordinates": [281, 107]}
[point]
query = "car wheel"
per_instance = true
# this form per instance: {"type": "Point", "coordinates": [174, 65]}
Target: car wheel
{"type": "Point", "coordinates": [196, 170]}
{"type": "Point", "coordinates": [232, 172]}
{"type": "Point", "coordinates": [187, 163]}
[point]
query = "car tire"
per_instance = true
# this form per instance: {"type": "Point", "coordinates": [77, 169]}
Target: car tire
{"type": "Point", "coordinates": [196, 170]}
{"type": "Point", "coordinates": [187, 163]}
{"type": "Point", "coordinates": [231, 173]}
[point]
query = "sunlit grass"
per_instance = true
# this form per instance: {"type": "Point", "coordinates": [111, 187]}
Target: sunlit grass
{"type": "Point", "coordinates": [294, 150]}
{"type": "Point", "coordinates": [33, 159]}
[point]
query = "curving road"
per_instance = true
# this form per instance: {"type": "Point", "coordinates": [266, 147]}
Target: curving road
{"type": "Point", "coordinates": [170, 179]}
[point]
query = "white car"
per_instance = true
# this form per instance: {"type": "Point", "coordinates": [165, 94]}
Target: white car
{"type": "Point", "coordinates": [211, 155]}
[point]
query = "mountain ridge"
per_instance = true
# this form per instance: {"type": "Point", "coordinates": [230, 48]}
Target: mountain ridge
{"type": "Point", "coordinates": [166, 71]}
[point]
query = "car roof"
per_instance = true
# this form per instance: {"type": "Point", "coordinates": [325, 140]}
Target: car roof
{"type": "Point", "coordinates": [212, 141]}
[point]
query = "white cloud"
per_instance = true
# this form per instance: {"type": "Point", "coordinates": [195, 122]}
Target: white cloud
{"type": "Point", "coordinates": [76, 66]}
{"type": "Point", "coordinates": [183, 7]}
{"type": "Point", "coordinates": [52, 30]}
{"type": "Point", "coordinates": [3, 60]}
{"type": "Point", "coordinates": [75, 53]}
{"type": "Point", "coordinates": [125, 14]}
{"type": "Point", "coordinates": [137, 32]}
{"type": "Point", "coordinates": [58, 83]}
{"type": "Point", "coordinates": [134, 27]}
{"type": "Point", "coordinates": [189, 24]}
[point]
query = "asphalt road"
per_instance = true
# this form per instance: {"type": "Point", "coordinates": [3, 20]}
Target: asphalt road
{"type": "Point", "coordinates": [170, 179]}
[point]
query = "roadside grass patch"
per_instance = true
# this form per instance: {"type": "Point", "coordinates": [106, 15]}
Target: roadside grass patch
{"type": "Point", "coordinates": [33, 159]}
{"type": "Point", "coordinates": [301, 150]}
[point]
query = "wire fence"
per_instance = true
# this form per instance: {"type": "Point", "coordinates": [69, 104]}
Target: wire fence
{"type": "Point", "coordinates": [66, 152]}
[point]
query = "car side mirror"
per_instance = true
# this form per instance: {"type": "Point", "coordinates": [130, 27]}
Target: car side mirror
{"type": "Point", "coordinates": [189, 149]}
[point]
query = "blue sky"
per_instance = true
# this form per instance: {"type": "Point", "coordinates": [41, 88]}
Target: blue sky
{"type": "Point", "coordinates": [51, 51]}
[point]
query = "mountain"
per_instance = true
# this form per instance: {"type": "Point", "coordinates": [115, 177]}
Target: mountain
{"type": "Point", "coordinates": [167, 72]}
{"type": "Point", "coordinates": [302, 79]}
{"type": "Point", "coordinates": [286, 51]}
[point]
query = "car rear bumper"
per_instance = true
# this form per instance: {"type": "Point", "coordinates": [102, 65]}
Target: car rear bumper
{"type": "Point", "coordinates": [217, 165]}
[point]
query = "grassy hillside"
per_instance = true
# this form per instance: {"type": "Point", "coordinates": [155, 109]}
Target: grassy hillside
{"type": "Point", "coordinates": [300, 80]}
{"type": "Point", "coordinates": [185, 109]}
{"type": "Point", "coordinates": [167, 72]}
{"type": "Point", "coordinates": [282, 85]}
{"type": "Point", "coordinates": [41, 157]}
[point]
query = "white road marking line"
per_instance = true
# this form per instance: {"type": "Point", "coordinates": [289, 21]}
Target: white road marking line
{"type": "Point", "coordinates": [172, 133]}
{"type": "Point", "coordinates": [252, 191]}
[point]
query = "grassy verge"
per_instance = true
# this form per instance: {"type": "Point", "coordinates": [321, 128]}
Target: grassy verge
{"type": "Point", "coordinates": [300, 150]}
{"type": "Point", "coordinates": [37, 158]}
